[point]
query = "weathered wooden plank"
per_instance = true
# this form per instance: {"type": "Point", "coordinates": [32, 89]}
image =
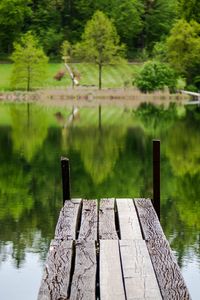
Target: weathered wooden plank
{"type": "Point", "coordinates": [55, 281]}
{"type": "Point", "coordinates": [128, 219]}
{"type": "Point", "coordinates": [88, 228]}
{"type": "Point", "coordinates": [139, 276]}
{"type": "Point", "coordinates": [111, 282]}
{"type": "Point", "coordinates": [150, 224]}
{"type": "Point", "coordinates": [83, 284]}
{"type": "Point", "coordinates": [168, 273]}
{"type": "Point", "coordinates": [68, 219]}
{"type": "Point", "coordinates": [107, 229]}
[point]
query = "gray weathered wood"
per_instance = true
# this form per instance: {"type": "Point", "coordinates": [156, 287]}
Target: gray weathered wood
{"type": "Point", "coordinates": [168, 273]}
{"type": "Point", "coordinates": [88, 229]}
{"type": "Point", "coordinates": [68, 219]}
{"type": "Point", "coordinates": [128, 220]}
{"type": "Point", "coordinates": [107, 229]}
{"type": "Point", "coordinates": [139, 276]}
{"type": "Point", "coordinates": [149, 221]}
{"type": "Point", "coordinates": [83, 284]}
{"type": "Point", "coordinates": [55, 281]}
{"type": "Point", "coordinates": [111, 282]}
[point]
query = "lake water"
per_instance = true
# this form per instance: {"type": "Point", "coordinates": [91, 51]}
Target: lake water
{"type": "Point", "coordinates": [110, 156]}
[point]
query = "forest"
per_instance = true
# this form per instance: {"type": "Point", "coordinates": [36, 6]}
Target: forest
{"type": "Point", "coordinates": [168, 31]}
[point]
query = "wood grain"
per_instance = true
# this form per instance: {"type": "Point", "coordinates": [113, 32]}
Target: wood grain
{"type": "Point", "coordinates": [128, 220]}
{"type": "Point", "coordinates": [68, 219]}
{"type": "Point", "coordinates": [88, 228]}
{"type": "Point", "coordinates": [111, 283]}
{"type": "Point", "coordinates": [150, 224]}
{"type": "Point", "coordinates": [107, 229]}
{"type": "Point", "coordinates": [83, 284]}
{"type": "Point", "coordinates": [55, 281]}
{"type": "Point", "coordinates": [168, 273]}
{"type": "Point", "coordinates": [139, 277]}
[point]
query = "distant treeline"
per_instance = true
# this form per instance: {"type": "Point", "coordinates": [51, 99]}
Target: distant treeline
{"type": "Point", "coordinates": [140, 23]}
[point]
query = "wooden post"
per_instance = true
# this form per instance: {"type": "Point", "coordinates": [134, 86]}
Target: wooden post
{"type": "Point", "coordinates": [65, 168]}
{"type": "Point", "coordinates": [156, 176]}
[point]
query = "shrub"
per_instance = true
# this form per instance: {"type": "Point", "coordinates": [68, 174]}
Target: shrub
{"type": "Point", "coordinates": [156, 76]}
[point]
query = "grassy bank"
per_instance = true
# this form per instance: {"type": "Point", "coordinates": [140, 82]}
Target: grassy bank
{"type": "Point", "coordinates": [113, 76]}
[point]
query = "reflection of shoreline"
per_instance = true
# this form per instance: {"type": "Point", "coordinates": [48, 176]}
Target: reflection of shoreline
{"type": "Point", "coordinates": [30, 174]}
{"type": "Point", "coordinates": [92, 97]}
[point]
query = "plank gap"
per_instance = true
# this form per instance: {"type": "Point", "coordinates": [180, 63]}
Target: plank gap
{"type": "Point", "coordinates": [138, 273]}
{"type": "Point", "coordinates": [140, 223]}
{"type": "Point", "coordinates": [128, 219]}
{"type": "Point", "coordinates": [79, 218]}
{"type": "Point", "coordinates": [56, 277]}
{"type": "Point", "coordinates": [72, 269]}
{"type": "Point", "coordinates": [117, 226]}
{"type": "Point", "coordinates": [83, 284]}
{"type": "Point", "coordinates": [111, 282]}
{"type": "Point", "coordinates": [66, 227]}
{"type": "Point", "coordinates": [168, 273]}
{"type": "Point", "coordinates": [98, 270]}
{"type": "Point", "coordinates": [122, 269]}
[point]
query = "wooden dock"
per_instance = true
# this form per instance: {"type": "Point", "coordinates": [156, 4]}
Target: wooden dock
{"type": "Point", "coordinates": [112, 249]}
{"type": "Point", "coordinates": [194, 96]}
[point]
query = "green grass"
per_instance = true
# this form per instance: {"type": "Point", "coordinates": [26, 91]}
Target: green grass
{"type": "Point", "coordinates": [112, 76]}
{"type": "Point", "coordinates": [5, 72]}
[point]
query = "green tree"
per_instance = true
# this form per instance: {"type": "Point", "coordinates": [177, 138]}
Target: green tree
{"type": "Point", "coordinates": [183, 49]}
{"type": "Point", "coordinates": [158, 18]}
{"type": "Point", "coordinates": [127, 17]}
{"type": "Point", "coordinates": [155, 76]}
{"type": "Point", "coordinates": [190, 9]}
{"type": "Point", "coordinates": [30, 63]}
{"type": "Point", "coordinates": [100, 43]}
{"type": "Point", "coordinates": [12, 16]}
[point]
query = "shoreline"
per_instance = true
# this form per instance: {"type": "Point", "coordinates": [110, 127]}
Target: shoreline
{"type": "Point", "coordinates": [90, 96]}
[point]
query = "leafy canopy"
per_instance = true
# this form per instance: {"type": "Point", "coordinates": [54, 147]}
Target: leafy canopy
{"type": "Point", "coordinates": [127, 17]}
{"type": "Point", "coordinates": [183, 49]}
{"type": "Point", "coordinates": [190, 9]}
{"type": "Point", "coordinates": [30, 63]}
{"type": "Point", "coordinates": [155, 76]}
{"type": "Point", "coordinates": [100, 41]}
{"type": "Point", "coordinates": [12, 17]}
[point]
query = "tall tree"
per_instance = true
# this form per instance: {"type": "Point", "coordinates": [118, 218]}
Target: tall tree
{"type": "Point", "coordinates": [47, 24]}
{"type": "Point", "coordinates": [12, 16]}
{"type": "Point", "coordinates": [183, 49]}
{"type": "Point", "coordinates": [126, 16]}
{"type": "Point", "coordinates": [190, 10]}
{"type": "Point", "coordinates": [100, 43]}
{"type": "Point", "coordinates": [30, 63]}
{"type": "Point", "coordinates": [158, 18]}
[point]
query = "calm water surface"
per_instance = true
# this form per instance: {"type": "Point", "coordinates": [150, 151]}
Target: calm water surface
{"type": "Point", "coordinates": [110, 157]}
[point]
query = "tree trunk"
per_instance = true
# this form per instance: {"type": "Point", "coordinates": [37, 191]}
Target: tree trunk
{"type": "Point", "coordinates": [100, 74]}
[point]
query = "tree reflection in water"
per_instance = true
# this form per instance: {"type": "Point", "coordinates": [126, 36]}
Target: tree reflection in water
{"type": "Point", "coordinates": [108, 158]}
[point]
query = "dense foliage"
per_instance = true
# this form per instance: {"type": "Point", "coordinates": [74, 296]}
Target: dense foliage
{"type": "Point", "coordinates": [183, 50]}
{"type": "Point", "coordinates": [100, 43]}
{"type": "Point", "coordinates": [155, 76]}
{"type": "Point", "coordinates": [139, 23]}
{"type": "Point", "coordinates": [169, 29]}
{"type": "Point", "coordinates": [30, 63]}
